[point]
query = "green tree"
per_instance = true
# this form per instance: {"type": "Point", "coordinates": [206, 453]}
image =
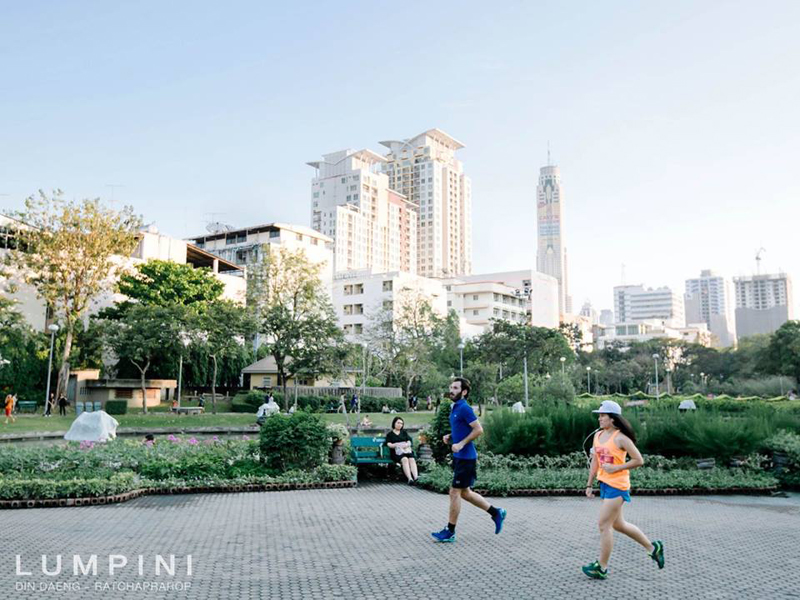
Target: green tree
{"type": "Point", "coordinates": [297, 317]}
{"type": "Point", "coordinates": [507, 343]}
{"type": "Point", "coordinates": [69, 252]}
{"type": "Point", "coordinates": [782, 355]}
{"type": "Point", "coordinates": [222, 329]}
{"type": "Point", "coordinates": [143, 332]}
{"type": "Point", "coordinates": [167, 283]}
{"type": "Point", "coordinates": [23, 355]}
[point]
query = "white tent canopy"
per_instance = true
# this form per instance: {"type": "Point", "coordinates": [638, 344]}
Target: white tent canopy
{"type": "Point", "coordinates": [93, 427]}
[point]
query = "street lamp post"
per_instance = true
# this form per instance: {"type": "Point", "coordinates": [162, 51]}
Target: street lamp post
{"type": "Point", "coordinates": [563, 359]}
{"type": "Point", "coordinates": [53, 329]}
{"type": "Point", "coordinates": [461, 358]}
{"type": "Point", "coordinates": [525, 371]}
{"type": "Point", "coordinates": [589, 379]}
{"type": "Point", "coordinates": [655, 361]}
{"type": "Point", "coordinates": [185, 341]}
{"type": "Point", "coordinates": [363, 378]}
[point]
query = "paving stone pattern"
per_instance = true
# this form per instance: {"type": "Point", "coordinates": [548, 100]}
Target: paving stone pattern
{"type": "Point", "coordinates": [374, 542]}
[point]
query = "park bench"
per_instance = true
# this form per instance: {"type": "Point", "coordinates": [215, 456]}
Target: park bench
{"type": "Point", "coordinates": [369, 451]}
{"type": "Point", "coordinates": [188, 410]}
{"type": "Point", "coordinates": [26, 406]}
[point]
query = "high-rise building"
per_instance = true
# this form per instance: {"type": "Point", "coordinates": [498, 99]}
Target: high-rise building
{"type": "Point", "coordinates": [606, 316]}
{"type": "Point", "coordinates": [373, 226]}
{"type": "Point", "coordinates": [709, 300]}
{"type": "Point", "coordinates": [425, 170]}
{"type": "Point", "coordinates": [635, 303]}
{"type": "Point", "coordinates": [588, 311]}
{"type": "Point", "coordinates": [763, 303]}
{"type": "Point", "coordinates": [551, 257]}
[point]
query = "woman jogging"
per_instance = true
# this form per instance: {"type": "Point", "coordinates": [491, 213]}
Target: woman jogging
{"type": "Point", "coordinates": [612, 444]}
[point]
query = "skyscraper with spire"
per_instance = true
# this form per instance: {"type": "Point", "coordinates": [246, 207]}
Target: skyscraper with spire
{"type": "Point", "coordinates": [551, 257]}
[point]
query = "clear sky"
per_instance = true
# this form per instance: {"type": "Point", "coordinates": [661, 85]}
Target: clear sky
{"type": "Point", "coordinates": [676, 124]}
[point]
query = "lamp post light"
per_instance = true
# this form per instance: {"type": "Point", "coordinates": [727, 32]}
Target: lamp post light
{"type": "Point", "coordinates": [563, 359]}
{"type": "Point", "coordinates": [655, 361]}
{"type": "Point", "coordinates": [461, 359]}
{"type": "Point", "coordinates": [525, 374]}
{"type": "Point", "coordinates": [703, 380]}
{"type": "Point", "coordinates": [589, 379]}
{"type": "Point", "coordinates": [53, 328]}
{"type": "Point", "coordinates": [185, 340]}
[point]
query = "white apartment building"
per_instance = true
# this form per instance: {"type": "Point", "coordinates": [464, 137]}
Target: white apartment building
{"type": "Point", "coordinates": [246, 246]}
{"type": "Point", "coordinates": [359, 296]}
{"type": "Point", "coordinates": [636, 303]}
{"type": "Point", "coordinates": [478, 302]}
{"type": "Point", "coordinates": [763, 303]}
{"type": "Point", "coordinates": [628, 332]}
{"type": "Point", "coordinates": [152, 245]}
{"type": "Point", "coordinates": [373, 227]}
{"type": "Point", "coordinates": [538, 290]}
{"type": "Point", "coordinates": [709, 299]}
{"type": "Point", "coordinates": [551, 256]}
{"type": "Point", "coordinates": [426, 171]}
{"type": "Point", "coordinates": [606, 316]}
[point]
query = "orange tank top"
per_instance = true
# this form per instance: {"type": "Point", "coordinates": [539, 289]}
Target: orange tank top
{"type": "Point", "coordinates": [609, 453]}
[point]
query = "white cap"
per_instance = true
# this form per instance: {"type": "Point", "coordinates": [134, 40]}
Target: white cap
{"type": "Point", "coordinates": [609, 407]}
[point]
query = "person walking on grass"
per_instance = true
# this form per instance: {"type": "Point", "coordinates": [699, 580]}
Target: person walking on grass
{"type": "Point", "coordinates": [612, 444]}
{"type": "Point", "coordinates": [465, 428]}
{"type": "Point", "coordinates": [9, 408]}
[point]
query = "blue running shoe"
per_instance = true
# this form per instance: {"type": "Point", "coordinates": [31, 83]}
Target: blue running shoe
{"type": "Point", "coordinates": [498, 520]}
{"type": "Point", "coordinates": [445, 535]}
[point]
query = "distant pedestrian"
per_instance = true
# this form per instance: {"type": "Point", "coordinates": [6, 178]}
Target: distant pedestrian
{"type": "Point", "coordinates": [428, 403]}
{"type": "Point", "coordinates": [354, 403]}
{"type": "Point", "coordinates": [62, 405]}
{"type": "Point", "coordinates": [49, 404]}
{"type": "Point", "coordinates": [9, 407]}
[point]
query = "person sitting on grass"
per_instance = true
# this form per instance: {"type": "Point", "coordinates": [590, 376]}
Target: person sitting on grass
{"type": "Point", "coordinates": [365, 422]}
{"type": "Point", "coordinates": [399, 442]}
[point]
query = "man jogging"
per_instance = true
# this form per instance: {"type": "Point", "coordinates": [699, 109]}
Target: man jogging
{"type": "Point", "coordinates": [465, 428]}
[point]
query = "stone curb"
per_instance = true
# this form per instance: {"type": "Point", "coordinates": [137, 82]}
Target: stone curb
{"type": "Point", "coordinates": [648, 492]}
{"type": "Point", "coordinates": [124, 497]}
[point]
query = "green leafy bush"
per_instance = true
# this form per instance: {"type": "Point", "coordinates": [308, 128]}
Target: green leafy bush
{"type": "Point", "coordinates": [439, 427]}
{"type": "Point", "coordinates": [786, 445]}
{"type": "Point", "coordinates": [298, 441]}
{"type": "Point", "coordinates": [116, 407]}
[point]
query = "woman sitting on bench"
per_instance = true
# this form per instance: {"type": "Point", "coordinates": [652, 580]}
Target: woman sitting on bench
{"type": "Point", "coordinates": [399, 442]}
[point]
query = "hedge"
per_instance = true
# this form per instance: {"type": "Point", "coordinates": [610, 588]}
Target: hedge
{"type": "Point", "coordinates": [116, 407]}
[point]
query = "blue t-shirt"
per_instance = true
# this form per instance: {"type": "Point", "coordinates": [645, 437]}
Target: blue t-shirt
{"type": "Point", "coordinates": [461, 415]}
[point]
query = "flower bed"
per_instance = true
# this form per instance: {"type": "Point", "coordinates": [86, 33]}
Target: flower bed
{"type": "Point", "coordinates": [121, 470]}
{"type": "Point", "coordinates": [566, 475]}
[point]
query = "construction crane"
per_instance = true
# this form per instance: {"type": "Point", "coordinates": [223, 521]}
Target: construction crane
{"type": "Point", "coordinates": [759, 252]}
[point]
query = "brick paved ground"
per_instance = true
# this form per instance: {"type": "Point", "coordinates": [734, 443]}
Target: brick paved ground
{"type": "Point", "coordinates": [373, 542]}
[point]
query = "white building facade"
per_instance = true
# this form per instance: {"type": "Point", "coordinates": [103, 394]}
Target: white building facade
{"type": "Point", "coordinates": [373, 227]}
{"type": "Point", "coordinates": [637, 303]}
{"type": "Point", "coordinates": [425, 170]}
{"type": "Point", "coordinates": [551, 256]}
{"type": "Point", "coordinates": [763, 303]}
{"type": "Point", "coordinates": [709, 299]}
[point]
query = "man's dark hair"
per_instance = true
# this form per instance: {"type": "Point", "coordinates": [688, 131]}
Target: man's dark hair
{"type": "Point", "coordinates": [465, 386]}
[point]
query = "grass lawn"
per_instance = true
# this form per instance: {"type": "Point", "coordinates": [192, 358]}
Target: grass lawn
{"type": "Point", "coordinates": [159, 417]}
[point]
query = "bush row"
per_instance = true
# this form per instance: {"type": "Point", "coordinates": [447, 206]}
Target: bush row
{"type": "Point", "coordinates": [502, 481]}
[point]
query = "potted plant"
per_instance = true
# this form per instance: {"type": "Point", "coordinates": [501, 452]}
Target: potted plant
{"type": "Point", "coordinates": [339, 434]}
{"type": "Point", "coordinates": [424, 452]}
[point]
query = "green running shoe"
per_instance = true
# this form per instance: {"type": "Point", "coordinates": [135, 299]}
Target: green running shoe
{"type": "Point", "coordinates": [595, 571]}
{"type": "Point", "coordinates": [658, 553]}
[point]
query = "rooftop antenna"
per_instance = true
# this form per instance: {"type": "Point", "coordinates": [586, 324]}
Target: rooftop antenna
{"type": "Point", "coordinates": [549, 163]}
{"type": "Point", "coordinates": [759, 252]}
{"type": "Point", "coordinates": [113, 187]}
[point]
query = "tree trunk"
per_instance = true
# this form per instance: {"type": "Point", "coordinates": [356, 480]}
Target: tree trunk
{"type": "Point", "coordinates": [63, 373]}
{"type": "Point", "coordinates": [214, 386]}
{"type": "Point", "coordinates": [144, 389]}
{"type": "Point", "coordinates": [282, 375]}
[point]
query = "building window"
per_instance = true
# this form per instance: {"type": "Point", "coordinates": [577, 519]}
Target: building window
{"type": "Point", "coordinates": [475, 313]}
{"type": "Point", "coordinates": [474, 296]}
{"type": "Point", "coordinates": [387, 285]}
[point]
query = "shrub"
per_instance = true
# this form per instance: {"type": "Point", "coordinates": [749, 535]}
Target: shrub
{"type": "Point", "coordinates": [788, 444]}
{"type": "Point", "coordinates": [439, 427]}
{"type": "Point", "coordinates": [116, 407]}
{"type": "Point", "coordinates": [298, 441]}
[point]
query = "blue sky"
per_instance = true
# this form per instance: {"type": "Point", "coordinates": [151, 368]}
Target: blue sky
{"type": "Point", "coordinates": [675, 124]}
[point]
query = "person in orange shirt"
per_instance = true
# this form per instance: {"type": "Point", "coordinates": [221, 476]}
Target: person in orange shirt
{"type": "Point", "coordinates": [9, 408]}
{"type": "Point", "coordinates": [612, 444]}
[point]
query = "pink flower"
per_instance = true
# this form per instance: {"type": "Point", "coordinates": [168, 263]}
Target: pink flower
{"type": "Point", "coordinates": [86, 445]}
{"type": "Point", "coordinates": [149, 443]}
{"type": "Point", "coordinates": [172, 438]}
{"type": "Point", "coordinates": [193, 441]}
{"type": "Point", "coordinates": [246, 438]}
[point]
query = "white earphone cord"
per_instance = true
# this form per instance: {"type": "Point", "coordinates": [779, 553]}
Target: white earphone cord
{"type": "Point", "coordinates": [583, 447]}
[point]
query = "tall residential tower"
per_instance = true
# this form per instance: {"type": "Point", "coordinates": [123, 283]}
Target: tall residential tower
{"type": "Point", "coordinates": [425, 170]}
{"type": "Point", "coordinates": [709, 299]}
{"type": "Point", "coordinates": [551, 257]}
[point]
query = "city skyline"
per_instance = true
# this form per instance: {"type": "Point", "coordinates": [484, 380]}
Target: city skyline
{"type": "Point", "coordinates": [672, 129]}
